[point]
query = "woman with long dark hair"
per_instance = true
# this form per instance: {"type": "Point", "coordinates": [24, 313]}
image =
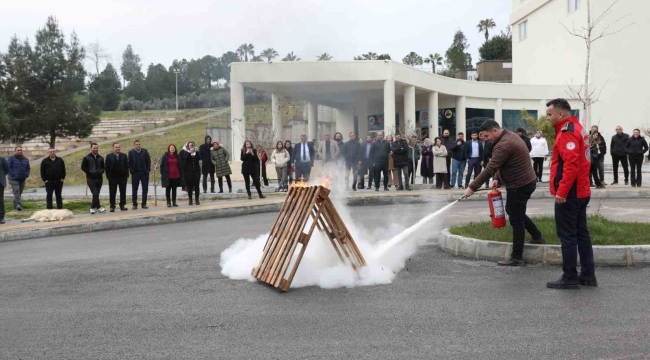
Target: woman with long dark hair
{"type": "Point", "coordinates": [192, 172]}
{"type": "Point", "coordinates": [290, 168]}
{"type": "Point", "coordinates": [170, 174]}
{"type": "Point", "coordinates": [426, 168]}
{"type": "Point", "coordinates": [250, 168]}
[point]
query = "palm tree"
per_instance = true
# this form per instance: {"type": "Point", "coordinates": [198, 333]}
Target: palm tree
{"type": "Point", "coordinates": [269, 54]}
{"type": "Point", "coordinates": [485, 26]}
{"type": "Point", "coordinates": [434, 59]}
{"type": "Point", "coordinates": [244, 50]}
{"type": "Point", "coordinates": [291, 57]}
{"type": "Point", "coordinates": [324, 57]}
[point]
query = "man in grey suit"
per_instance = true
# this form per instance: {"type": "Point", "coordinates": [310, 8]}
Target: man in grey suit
{"type": "Point", "coordinates": [4, 170]}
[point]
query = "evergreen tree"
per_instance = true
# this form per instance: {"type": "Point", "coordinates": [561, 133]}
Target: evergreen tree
{"type": "Point", "coordinates": [105, 89]}
{"type": "Point", "coordinates": [457, 56]}
{"type": "Point", "coordinates": [131, 65]}
{"type": "Point", "coordinates": [159, 83]}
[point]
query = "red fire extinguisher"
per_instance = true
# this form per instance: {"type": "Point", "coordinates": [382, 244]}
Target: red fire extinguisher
{"type": "Point", "coordinates": [497, 210]}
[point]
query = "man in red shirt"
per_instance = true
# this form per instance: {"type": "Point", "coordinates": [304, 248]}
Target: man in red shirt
{"type": "Point", "coordinates": [570, 186]}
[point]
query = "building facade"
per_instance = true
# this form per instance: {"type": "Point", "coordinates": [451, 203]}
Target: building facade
{"type": "Point", "coordinates": [544, 53]}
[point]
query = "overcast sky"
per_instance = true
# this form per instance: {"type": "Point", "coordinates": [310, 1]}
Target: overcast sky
{"type": "Point", "coordinates": [161, 30]}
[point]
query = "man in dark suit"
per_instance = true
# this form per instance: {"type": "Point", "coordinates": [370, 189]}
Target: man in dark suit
{"type": "Point", "coordinates": [140, 166]}
{"type": "Point", "coordinates": [4, 170]}
{"type": "Point", "coordinates": [117, 173]}
{"type": "Point", "coordinates": [352, 153]}
{"type": "Point", "coordinates": [380, 151]}
{"type": "Point", "coordinates": [366, 159]}
{"type": "Point", "coordinates": [474, 155]}
{"type": "Point", "coordinates": [304, 154]}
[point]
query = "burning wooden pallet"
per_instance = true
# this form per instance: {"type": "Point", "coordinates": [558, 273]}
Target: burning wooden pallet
{"type": "Point", "coordinates": [303, 203]}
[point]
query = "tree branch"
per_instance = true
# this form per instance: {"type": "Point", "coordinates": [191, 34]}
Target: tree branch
{"type": "Point", "coordinates": [604, 14]}
{"type": "Point", "coordinates": [574, 33]}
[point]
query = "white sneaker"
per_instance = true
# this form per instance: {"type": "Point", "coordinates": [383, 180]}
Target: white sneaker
{"type": "Point", "coordinates": [101, 210]}
{"type": "Point", "coordinates": [92, 211]}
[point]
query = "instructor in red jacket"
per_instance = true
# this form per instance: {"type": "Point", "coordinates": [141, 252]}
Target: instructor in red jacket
{"type": "Point", "coordinates": [570, 186]}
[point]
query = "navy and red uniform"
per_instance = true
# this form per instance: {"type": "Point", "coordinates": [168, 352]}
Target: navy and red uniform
{"type": "Point", "coordinates": [570, 168]}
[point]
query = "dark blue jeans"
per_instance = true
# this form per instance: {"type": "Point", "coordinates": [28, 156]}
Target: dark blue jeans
{"type": "Point", "coordinates": [136, 179]}
{"type": "Point", "coordinates": [571, 223]}
{"type": "Point", "coordinates": [516, 202]}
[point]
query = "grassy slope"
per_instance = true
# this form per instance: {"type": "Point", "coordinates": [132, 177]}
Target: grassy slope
{"type": "Point", "coordinates": [156, 144]}
{"type": "Point", "coordinates": [76, 206]}
{"type": "Point", "coordinates": [602, 231]}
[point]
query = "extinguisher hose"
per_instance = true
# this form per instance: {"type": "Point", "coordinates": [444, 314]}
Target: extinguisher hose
{"type": "Point", "coordinates": [479, 190]}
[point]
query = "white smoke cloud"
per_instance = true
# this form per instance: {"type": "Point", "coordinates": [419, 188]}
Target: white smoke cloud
{"type": "Point", "coordinates": [385, 249]}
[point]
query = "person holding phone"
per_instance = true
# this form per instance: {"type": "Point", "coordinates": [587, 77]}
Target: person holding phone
{"type": "Point", "coordinates": [192, 172]}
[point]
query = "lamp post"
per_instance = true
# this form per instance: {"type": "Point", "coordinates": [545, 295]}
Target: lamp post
{"type": "Point", "coordinates": [176, 71]}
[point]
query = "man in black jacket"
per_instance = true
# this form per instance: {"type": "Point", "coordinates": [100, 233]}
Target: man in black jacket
{"type": "Point", "coordinates": [366, 159]}
{"type": "Point", "coordinates": [380, 151]}
{"type": "Point", "coordinates": [53, 175]}
{"type": "Point", "coordinates": [522, 134]}
{"type": "Point", "coordinates": [304, 155]}
{"type": "Point", "coordinates": [474, 155]}
{"type": "Point", "coordinates": [352, 155]}
{"type": "Point", "coordinates": [399, 151]}
{"type": "Point", "coordinates": [458, 160]}
{"type": "Point", "coordinates": [205, 150]}
{"type": "Point", "coordinates": [117, 173]}
{"type": "Point", "coordinates": [636, 146]}
{"type": "Point", "coordinates": [140, 167]}
{"type": "Point", "coordinates": [617, 149]}
{"type": "Point", "coordinates": [600, 165]}
{"type": "Point", "coordinates": [93, 166]}
{"type": "Point", "coordinates": [448, 142]}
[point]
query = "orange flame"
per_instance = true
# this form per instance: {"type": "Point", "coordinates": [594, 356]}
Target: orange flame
{"type": "Point", "coordinates": [325, 181]}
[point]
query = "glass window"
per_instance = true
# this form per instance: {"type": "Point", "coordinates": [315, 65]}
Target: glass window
{"type": "Point", "coordinates": [523, 30]}
{"type": "Point", "coordinates": [476, 117]}
{"type": "Point", "coordinates": [512, 119]}
{"type": "Point", "coordinates": [573, 6]}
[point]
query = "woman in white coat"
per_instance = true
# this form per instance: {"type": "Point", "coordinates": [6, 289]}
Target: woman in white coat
{"type": "Point", "coordinates": [440, 163]}
{"type": "Point", "coordinates": [539, 153]}
{"type": "Point", "coordinates": [280, 158]}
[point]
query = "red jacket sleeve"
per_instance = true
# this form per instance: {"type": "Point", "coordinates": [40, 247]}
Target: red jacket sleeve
{"type": "Point", "coordinates": [570, 151]}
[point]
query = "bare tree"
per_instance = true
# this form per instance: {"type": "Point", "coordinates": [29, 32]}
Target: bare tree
{"type": "Point", "coordinates": [97, 55]}
{"type": "Point", "coordinates": [155, 165]}
{"type": "Point", "coordinates": [590, 34]}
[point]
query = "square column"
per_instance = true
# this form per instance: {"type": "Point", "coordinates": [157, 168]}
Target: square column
{"type": "Point", "coordinates": [345, 120]}
{"type": "Point", "coordinates": [389, 107]}
{"type": "Point", "coordinates": [361, 112]}
{"type": "Point", "coordinates": [542, 109]}
{"type": "Point", "coordinates": [409, 111]}
{"type": "Point", "coordinates": [498, 111]}
{"type": "Point", "coordinates": [433, 115]}
{"type": "Point", "coordinates": [312, 121]}
{"type": "Point", "coordinates": [461, 118]}
{"type": "Point", "coordinates": [237, 119]}
{"type": "Point", "coordinates": [276, 116]}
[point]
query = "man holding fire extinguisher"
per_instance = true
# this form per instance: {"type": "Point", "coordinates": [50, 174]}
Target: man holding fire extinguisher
{"type": "Point", "coordinates": [510, 166]}
{"type": "Point", "coordinates": [570, 167]}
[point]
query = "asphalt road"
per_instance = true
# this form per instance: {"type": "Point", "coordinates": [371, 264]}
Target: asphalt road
{"type": "Point", "coordinates": [157, 293]}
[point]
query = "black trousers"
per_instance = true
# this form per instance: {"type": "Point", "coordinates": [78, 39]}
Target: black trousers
{"type": "Point", "coordinates": [2, 202]}
{"type": "Point", "coordinates": [53, 186]}
{"type": "Point", "coordinates": [95, 186]}
{"type": "Point", "coordinates": [516, 202]}
{"type": "Point", "coordinates": [205, 182]}
{"type": "Point", "coordinates": [538, 166]}
{"type": "Point", "coordinates": [113, 184]}
{"type": "Point", "coordinates": [351, 168]}
{"type": "Point", "coordinates": [571, 224]}
{"type": "Point", "coordinates": [303, 170]}
{"type": "Point", "coordinates": [380, 169]}
{"type": "Point", "coordinates": [636, 161]}
{"type": "Point", "coordinates": [256, 183]}
{"type": "Point", "coordinates": [136, 180]}
{"type": "Point", "coordinates": [170, 190]}
{"type": "Point", "coordinates": [473, 164]}
{"type": "Point", "coordinates": [595, 177]}
{"type": "Point", "coordinates": [448, 170]}
{"type": "Point", "coordinates": [227, 181]}
{"type": "Point", "coordinates": [264, 177]}
{"type": "Point", "coordinates": [192, 184]}
{"type": "Point", "coordinates": [623, 160]}
{"type": "Point", "coordinates": [412, 171]}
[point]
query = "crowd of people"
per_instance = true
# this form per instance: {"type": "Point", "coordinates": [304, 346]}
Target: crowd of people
{"type": "Point", "coordinates": [387, 161]}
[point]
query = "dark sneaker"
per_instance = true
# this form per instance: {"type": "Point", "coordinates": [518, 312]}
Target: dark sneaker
{"type": "Point", "coordinates": [627, 182]}
{"type": "Point", "coordinates": [540, 241]}
{"type": "Point", "coordinates": [145, 207]}
{"type": "Point", "coordinates": [175, 205]}
{"type": "Point", "coordinates": [169, 205]}
{"type": "Point", "coordinates": [249, 197]}
{"type": "Point", "coordinates": [135, 206]}
{"type": "Point", "coordinates": [112, 209]}
{"type": "Point", "coordinates": [197, 202]}
{"type": "Point", "coordinates": [633, 185]}
{"type": "Point", "coordinates": [19, 207]}
{"type": "Point", "coordinates": [600, 187]}
{"type": "Point", "coordinates": [262, 196]}
{"type": "Point", "coordinates": [2, 221]}
{"type": "Point", "coordinates": [512, 262]}
{"type": "Point", "coordinates": [614, 183]}
{"type": "Point", "coordinates": [376, 189]}
{"type": "Point", "coordinates": [588, 281]}
{"type": "Point", "coordinates": [123, 209]}
{"type": "Point", "coordinates": [562, 284]}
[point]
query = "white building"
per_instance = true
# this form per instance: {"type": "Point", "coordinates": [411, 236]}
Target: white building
{"type": "Point", "coordinates": [544, 53]}
{"type": "Point", "coordinates": [386, 95]}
